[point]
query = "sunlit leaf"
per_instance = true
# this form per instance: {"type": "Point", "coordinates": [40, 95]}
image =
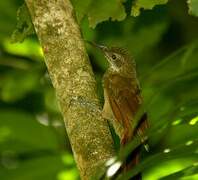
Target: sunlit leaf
{"type": "Point", "coordinates": [168, 167]}
{"type": "Point", "coordinates": [193, 7]}
{"type": "Point", "coordinates": [102, 10]}
{"type": "Point", "coordinates": [28, 48]}
{"type": "Point", "coordinates": [191, 170]}
{"type": "Point", "coordinates": [145, 4]}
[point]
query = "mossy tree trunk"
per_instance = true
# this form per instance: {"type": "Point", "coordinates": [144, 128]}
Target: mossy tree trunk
{"type": "Point", "coordinates": [74, 83]}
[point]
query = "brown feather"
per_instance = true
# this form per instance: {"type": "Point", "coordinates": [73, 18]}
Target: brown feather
{"type": "Point", "coordinates": [125, 100]}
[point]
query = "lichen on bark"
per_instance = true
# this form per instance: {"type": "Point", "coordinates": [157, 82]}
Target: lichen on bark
{"type": "Point", "coordinates": [72, 77]}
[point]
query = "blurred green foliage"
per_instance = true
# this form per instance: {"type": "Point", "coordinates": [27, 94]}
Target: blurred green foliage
{"type": "Point", "coordinates": [163, 41]}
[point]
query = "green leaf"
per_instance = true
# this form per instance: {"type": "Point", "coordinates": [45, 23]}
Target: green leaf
{"type": "Point", "coordinates": [193, 7]}
{"type": "Point", "coordinates": [145, 4]}
{"type": "Point", "coordinates": [28, 48]}
{"type": "Point", "coordinates": [166, 168]}
{"type": "Point", "coordinates": [102, 10]}
{"type": "Point", "coordinates": [191, 170]}
{"type": "Point", "coordinates": [81, 8]}
{"type": "Point", "coordinates": [24, 26]}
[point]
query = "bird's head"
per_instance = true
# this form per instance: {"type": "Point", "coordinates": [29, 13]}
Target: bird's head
{"type": "Point", "coordinates": [118, 58]}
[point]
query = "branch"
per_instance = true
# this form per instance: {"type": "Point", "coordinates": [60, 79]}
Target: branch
{"type": "Point", "coordinates": [74, 82]}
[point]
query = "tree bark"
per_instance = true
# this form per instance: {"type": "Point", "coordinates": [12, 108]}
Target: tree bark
{"type": "Point", "coordinates": [73, 80]}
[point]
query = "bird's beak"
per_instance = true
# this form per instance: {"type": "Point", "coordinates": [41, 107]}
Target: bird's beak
{"type": "Point", "coordinates": [101, 47]}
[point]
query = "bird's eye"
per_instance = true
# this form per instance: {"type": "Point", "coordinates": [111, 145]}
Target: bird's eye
{"type": "Point", "coordinates": [113, 56]}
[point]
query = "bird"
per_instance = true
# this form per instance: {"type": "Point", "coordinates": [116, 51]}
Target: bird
{"type": "Point", "coordinates": [122, 98]}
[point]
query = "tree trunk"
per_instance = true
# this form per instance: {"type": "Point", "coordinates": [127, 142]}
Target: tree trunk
{"type": "Point", "coordinates": [74, 82]}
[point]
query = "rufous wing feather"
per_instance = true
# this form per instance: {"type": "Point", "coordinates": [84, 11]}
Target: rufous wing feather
{"type": "Point", "coordinates": [125, 100]}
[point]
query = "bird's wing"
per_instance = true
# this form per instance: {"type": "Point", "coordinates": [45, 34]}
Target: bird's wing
{"type": "Point", "coordinates": [125, 100]}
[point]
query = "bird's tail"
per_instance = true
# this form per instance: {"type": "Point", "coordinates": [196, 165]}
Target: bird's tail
{"type": "Point", "coordinates": [133, 158]}
{"type": "Point", "coordinates": [132, 161]}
